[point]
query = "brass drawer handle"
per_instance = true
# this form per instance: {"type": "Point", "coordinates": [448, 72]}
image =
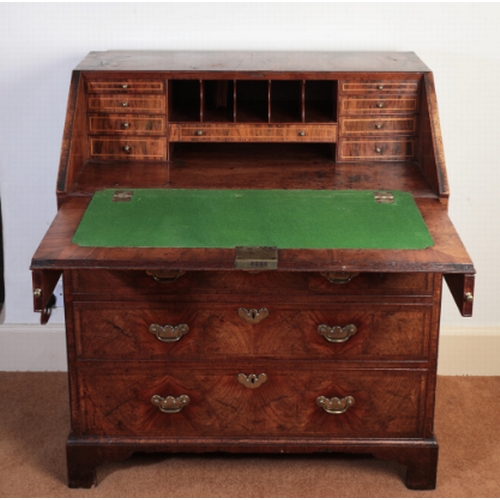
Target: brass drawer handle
{"type": "Point", "coordinates": [169, 333]}
{"type": "Point", "coordinates": [252, 381]}
{"type": "Point", "coordinates": [339, 278]}
{"type": "Point", "coordinates": [170, 404]}
{"type": "Point", "coordinates": [302, 133]}
{"type": "Point", "coordinates": [124, 104]}
{"type": "Point", "coordinates": [199, 132]}
{"type": "Point", "coordinates": [335, 405]}
{"type": "Point", "coordinates": [253, 316]}
{"type": "Point", "coordinates": [127, 149]}
{"type": "Point", "coordinates": [125, 125]}
{"type": "Point", "coordinates": [337, 334]}
{"type": "Point", "coordinates": [165, 276]}
{"type": "Point", "coordinates": [378, 150]}
{"type": "Point", "coordinates": [380, 105]}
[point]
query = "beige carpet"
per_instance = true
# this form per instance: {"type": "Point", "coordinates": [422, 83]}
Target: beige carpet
{"type": "Point", "coordinates": [34, 424]}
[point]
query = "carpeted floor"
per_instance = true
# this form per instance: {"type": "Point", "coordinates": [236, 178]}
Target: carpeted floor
{"type": "Point", "coordinates": [34, 424]}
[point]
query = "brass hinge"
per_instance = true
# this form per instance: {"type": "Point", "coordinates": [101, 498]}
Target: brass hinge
{"type": "Point", "coordinates": [256, 258]}
{"type": "Point", "coordinates": [122, 195]}
{"type": "Point", "coordinates": [383, 197]}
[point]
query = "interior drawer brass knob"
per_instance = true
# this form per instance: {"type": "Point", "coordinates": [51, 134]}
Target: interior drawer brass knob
{"type": "Point", "coordinates": [337, 334]}
{"type": "Point", "coordinates": [252, 381]}
{"type": "Point", "coordinates": [169, 333]}
{"type": "Point", "coordinates": [126, 125]}
{"type": "Point", "coordinates": [335, 406]}
{"type": "Point", "coordinates": [127, 149]}
{"type": "Point", "coordinates": [253, 316]}
{"type": "Point", "coordinates": [124, 104]}
{"type": "Point", "coordinates": [380, 105]}
{"type": "Point", "coordinates": [199, 132]}
{"type": "Point", "coordinates": [170, 404]}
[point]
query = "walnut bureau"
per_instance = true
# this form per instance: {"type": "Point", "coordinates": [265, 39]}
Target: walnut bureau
{"type": "Point", "coordinates": [256, 348]}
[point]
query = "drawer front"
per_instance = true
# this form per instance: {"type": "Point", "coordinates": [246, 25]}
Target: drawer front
{"type": "Point", "coordinates": [128, 148]}
{"type": "Point", "coordinates": [380, 149]}
{"type": "Point", "coordinates": [132, 284]}
{"type": "Point", "coordinates": [126, 124]}
{"type": "Point", "coordinates": [126, 104]}
{"type": "Point", "coordinates": [378, 106]}
{"type": "Point", "coordinates": [284, 402]}
{"type": "Point", "coordinates": [252, 133]}
{"type": "Point", "coordinates": [251, 328]}
{"type": "Point", "coordinates": [378, 126]}
{"type": "Point", "coordinates": [379, 87]}
{"type": "Point", "coordinates": [125, 86]}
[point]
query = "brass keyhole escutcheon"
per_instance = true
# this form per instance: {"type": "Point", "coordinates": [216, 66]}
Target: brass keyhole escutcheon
{"type": "Point", "coordinates": [253, 316]}
{"type": "Point", "coordinates": [252, 381]}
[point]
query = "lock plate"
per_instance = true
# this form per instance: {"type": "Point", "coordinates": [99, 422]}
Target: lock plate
{"type": "Point", "coordinates": [256, 258]}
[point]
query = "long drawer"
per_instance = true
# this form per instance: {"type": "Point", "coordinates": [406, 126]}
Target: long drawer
{"type": "Point", "coordinates": [246, 400]}
{"type": "Point", "coordinates": [251, 329]}
{"type": "Point", "coordinates": [120, 284]}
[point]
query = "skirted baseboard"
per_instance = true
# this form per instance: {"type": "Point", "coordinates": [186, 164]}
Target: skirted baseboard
{"type": "Point", "coordinates": [462, 351]}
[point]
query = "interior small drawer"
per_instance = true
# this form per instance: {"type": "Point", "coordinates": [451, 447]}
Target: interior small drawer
{"type": "Point", "coordinates": [128, 148]}
{"type": "Point", "coordinates": [250, 400]}
{"type": "Point", "coordinates": [378, 126]}
{"type": "Point", "coordinates": [126, 124]}
{"type": "Point", "coordinates": [126, 103]}
{"type": "Point", "coordinates": [379, 87]}
{"type": "Point", "coordinates": [126, 86]}
{"type": "Point", "coordinates": [252, 133]}
{"type": "Point", "coordinates": [252, 327]}
{"type": "Point", "coordinates": [377, 149]}
{"type": "Point", "coordinates": [378, 106]}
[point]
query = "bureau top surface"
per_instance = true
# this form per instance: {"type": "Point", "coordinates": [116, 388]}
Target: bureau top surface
{"type": "Point", "coordinates": [237, 61]}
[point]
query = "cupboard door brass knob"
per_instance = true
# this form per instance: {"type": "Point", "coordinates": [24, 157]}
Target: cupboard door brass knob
{"type": "Point", "coordinates": [337, 334]}
{"type": "Point", "coordinates": [335, 406]}
{"type": "Point", "coordinates": [252, 381]}
{"type": "Point", "coordinates": [170, 404]}
{"type": "Point", "coordinates": [169, 333]}
{"type": "Point", "coordinates": [253, 316]}
{"type": "Point", "coordinates": [127, 149]}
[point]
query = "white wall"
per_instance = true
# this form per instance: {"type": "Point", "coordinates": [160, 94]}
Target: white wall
{"type": "Point", "coordinates": [42, 43]}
